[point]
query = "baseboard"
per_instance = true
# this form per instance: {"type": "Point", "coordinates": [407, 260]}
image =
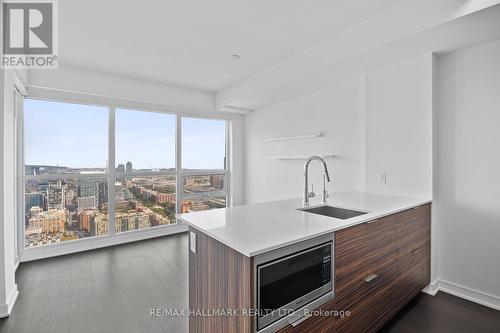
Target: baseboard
{"type": "Point", "coordinates": [6, 309]}
{"type": "Point", "coordinates": [432, 289]}
{"type": "Point", "coordinates": [469, 294]}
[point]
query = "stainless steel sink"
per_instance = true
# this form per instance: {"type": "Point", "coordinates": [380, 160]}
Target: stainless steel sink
{"type": "Point", "coordinates": [336, 212]}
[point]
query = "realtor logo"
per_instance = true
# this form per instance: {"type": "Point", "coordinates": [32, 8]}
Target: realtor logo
{"type": "Point", "coordinates": [29, 38]}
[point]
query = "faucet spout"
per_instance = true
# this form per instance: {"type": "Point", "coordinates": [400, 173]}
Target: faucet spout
{"type": "Point", "coordinates": [307, 195]}
{"type": "Point", "coordinates": [327, 174]}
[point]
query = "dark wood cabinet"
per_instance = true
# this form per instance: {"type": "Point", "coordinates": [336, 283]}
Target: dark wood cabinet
{"type": "Point", "coordinates": [379, 267]}
{"type": "Point", "coordinates": [413, 252]}
{"type": "Point", "coordinates": [365, 260]}
{"type": "Point", "coordinates": [368, 306]}
{"type": "Point", "coordinates": [398, 256]}
{"type": "Point", "coordinates": [365, 251]}
{"type": "Point", "coordinates": [219, 278]}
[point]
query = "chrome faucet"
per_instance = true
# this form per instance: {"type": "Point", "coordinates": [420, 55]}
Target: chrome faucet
{"type": "Point", "coordinates": [311, 194]}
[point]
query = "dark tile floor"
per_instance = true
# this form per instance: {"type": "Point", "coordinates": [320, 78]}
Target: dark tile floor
{"type": "Point", "coordinates": [106, 290]}
{"type": "Point", "coordinates": [113, 290]}
{"type": "Point", "coordinates": [444, 313]}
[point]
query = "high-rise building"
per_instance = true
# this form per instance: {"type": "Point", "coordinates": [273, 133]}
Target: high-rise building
{"type": "Point", "coordinates": [97, 223]}
{"type": "Point", "coordinates": [87, 187]}
{"type": "Point", "coordinates": [51, 221]}
{"type": "Point", "coordinates": [188, 206]}
{"type": "Point", "coordinates": [100, 224]}
{"type": "Point", "coordinates": [128, 170]}
{"type": "Point", "coordinates": [87, 203]}
{"type": "Point", "coordinates": [164, 197]}
{"type": "Point", "coordinates": [55, 195]}
{"type": "Point", "coordinates": [84, 220]}
{"type": "Point", "coordinates": [121, 170]}
{"type": "Point", "coordinates": [94, 186]}
{"type": "Point", "coordinates": [132, 221]}
{"type": "Point", "coordinates": [217, 181]}
{"type": "Point", "coordinates": [119, 192]}
{"type": "Point", "coordinates": [34, 199]}
{"type": "Point", "coordinates": [102, 192]}
{"type": "Point", "coordinates": [197, 181]}
{"type": "Point", "coordinates": [122, 221]}
{"type": "Point", "coordinates": [71, 196]}
{"type": "Point", "coordinates": [34, 211]}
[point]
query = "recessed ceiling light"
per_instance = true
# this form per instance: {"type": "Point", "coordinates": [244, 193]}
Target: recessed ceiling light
{"type": "Point", "coordinates": [235, 56]}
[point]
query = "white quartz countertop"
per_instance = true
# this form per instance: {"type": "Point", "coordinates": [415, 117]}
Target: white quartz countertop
{"type": "Point", "coordinates": [259, 228]}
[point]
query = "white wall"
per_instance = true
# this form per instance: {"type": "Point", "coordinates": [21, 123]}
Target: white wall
{"type": "Point", "coordinates": [337, 112]}
{"type": "Point", "coordinates": [8, 287]}
{"type": "Point", "coordinates": [74, 79]}
{"type": "Point", "coordinates": [380, 124]}
{"type": "Point", "coordinates": [467, 199]}
{"type": "Point", "coordinates": [398, 115]}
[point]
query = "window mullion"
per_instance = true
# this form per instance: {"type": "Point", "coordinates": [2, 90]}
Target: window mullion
{"type": "Point", "coordinates": [178, 163]}
{"type": "Point", "coordinates": [228, 165]}
{"type": "Point", "coordinates": [111, 172]}
{"type": "Point", "coordinates": [21, 171]}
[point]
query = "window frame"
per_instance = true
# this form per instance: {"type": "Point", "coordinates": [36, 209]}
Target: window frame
{"type": "Point", "coordinates": [202, 172]}
{"type": "Point", "coordinates": [42, 251]}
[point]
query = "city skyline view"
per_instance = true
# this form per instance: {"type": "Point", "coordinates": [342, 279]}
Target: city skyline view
{"type": "Point", "coordinates": [59, 210]}
{"type": "Point", "coordinates": [51, 138]}
{"type": "Point", "coordinates": [72, 140]}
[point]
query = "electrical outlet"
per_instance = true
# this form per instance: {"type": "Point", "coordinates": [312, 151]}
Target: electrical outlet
{"type": "Point", "coordinates": [383, 178]}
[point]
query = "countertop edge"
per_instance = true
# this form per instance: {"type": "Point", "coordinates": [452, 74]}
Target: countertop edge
{"type": "Point", "coordinates": [347, 224]}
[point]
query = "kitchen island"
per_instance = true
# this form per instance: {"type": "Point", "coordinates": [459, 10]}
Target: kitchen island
{"type": "Point", "coordinates": [381, 260]}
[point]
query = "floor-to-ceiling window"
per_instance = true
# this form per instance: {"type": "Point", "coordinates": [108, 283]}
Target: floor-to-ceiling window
{"type": "Point", "coordinates": [98, 171]}
{"type": "Point", "coordinates": [203, 149]}
{"type": "Point", "coordinates": [145, 177]}
{"type": "Point", "coordinates": [65, 168]}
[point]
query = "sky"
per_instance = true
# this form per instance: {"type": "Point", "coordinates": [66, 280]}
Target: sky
{"type": "Point", "coordinates": [76, 136]}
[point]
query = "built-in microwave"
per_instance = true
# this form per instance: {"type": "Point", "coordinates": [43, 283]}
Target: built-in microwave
{"type": "Point", "coordinates": [291, 281]}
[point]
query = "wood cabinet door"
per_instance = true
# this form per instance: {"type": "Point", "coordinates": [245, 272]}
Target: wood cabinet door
{"type": "Point", "coordinates": [413, 252]}
{"type": "Point", "coordinates": [379, 267]}
{"type": "Point", "coordinates": [365, 267]}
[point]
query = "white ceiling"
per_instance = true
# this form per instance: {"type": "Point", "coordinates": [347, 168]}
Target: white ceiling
{"type": "Point", "coordinates": [188, 43]}
{"type": "Point", "coordinates": [413, 28]}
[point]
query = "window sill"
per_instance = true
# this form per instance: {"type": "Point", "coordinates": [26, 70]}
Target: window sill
{"type": "Point", "coordinates": [80, 245]}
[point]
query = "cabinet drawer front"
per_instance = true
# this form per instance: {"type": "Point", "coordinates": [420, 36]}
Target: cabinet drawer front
{"type": "Point", "coordinates": [412, 222]}
{"type": "Point", "coordinates": [363, 250]}
{"type": "Point", "coordinates": [356, 242]}
{"type": "Point", "coordinates": [366, 284]}
{"type": "Point", "coordinates": [413, 252]}
{"type": "Point", "coordinates": [368, 305]}
{"type": "Point", "coordinates": [348, 278]}
{"type": "Point", "coordinates": [410, 281]}
{"type": "Point", "coordinates": [413, 237]}
{"type": "Point", "coordinates": [411, 241]}
{"type": "Point", "coordinates": [419, 255]}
